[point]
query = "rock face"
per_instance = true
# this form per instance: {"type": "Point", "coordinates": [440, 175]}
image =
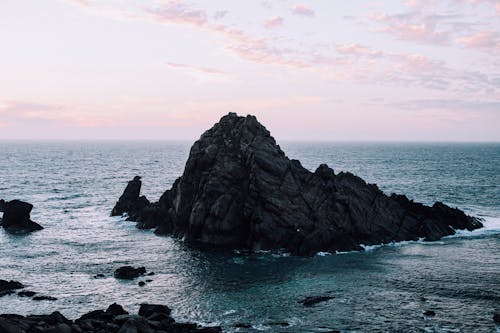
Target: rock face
{"type": "Point", "coordinates": [16, 217]}
{"type": "Point", "coordinates": [239, 190]}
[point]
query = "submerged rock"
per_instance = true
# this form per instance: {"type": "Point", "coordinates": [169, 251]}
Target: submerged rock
{"type": "Point", "coordinates": [429, 313]}
{"type": "Point", "coordinates": [312, 300]}
{"type": "Point", "coordinates": [239, 190]}
{"type": "Point", "coordinates": [16, 217]}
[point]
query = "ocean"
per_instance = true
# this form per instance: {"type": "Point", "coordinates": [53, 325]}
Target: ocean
{"type": "Point", "coordinates": [74, 185]}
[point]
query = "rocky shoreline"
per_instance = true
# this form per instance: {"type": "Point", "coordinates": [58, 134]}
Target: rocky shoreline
{"type": "Point", "coordinates": [151, 318]}
{"type": "Point", "coordinates": [239, 190]}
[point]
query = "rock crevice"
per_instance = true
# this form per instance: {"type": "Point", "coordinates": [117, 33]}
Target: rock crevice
{"type": "Point", "coordinates": [239, 190]}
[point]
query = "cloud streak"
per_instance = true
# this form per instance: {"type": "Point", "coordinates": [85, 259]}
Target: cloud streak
{"type": "Point", "coordinates": [302, 10]}
{"type": "Point", "coordinates": [200, 69]}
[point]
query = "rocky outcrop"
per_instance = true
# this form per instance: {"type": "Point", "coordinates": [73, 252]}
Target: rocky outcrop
{"type": "Point", "coordinates": [130, 201]}
{"type": "Point", "coordinates": [16, 217]}
{"type": "Point", "coordinates": [239, 190]}
{"type": "Point", "coordinates": [151, 318]}
{"type": "Point", "coordinates": [129, 272]}
{"type": "Point", "coordinates": [9, 287]}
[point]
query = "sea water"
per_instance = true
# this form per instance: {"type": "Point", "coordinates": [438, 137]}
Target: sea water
{"type": "Point", "coordinates": [74, 185]}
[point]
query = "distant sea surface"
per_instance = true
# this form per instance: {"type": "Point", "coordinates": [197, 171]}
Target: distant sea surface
{"type": "Point", "coordinates": [74, 185]}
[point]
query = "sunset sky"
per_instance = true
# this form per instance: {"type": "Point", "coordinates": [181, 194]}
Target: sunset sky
{"type": "Point", "coordinates": [416, 70]}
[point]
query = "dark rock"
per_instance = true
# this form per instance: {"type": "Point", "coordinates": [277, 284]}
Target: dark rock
{"type": "Point", "coordinates": [129, 272]}
{"type": "Point", "coordinates": [151, 273]}
{"type": "Point", "coordinates": [16, 217]}
{"type": "Point", "coordinates": [116, 310]}
{"type": "Point", "coordinates": [26, 293]}
{"type": "Point", "coordinates": [283, 323]}
{"type": "Point", "coordinates": [153, 318]}
{"type": "Point", "coordinates": [242, 325]}
{"type": "Point", "coordinates": [7, 326]}
{"type": "Point", "coordinates": [496, 317]}
{"type": "Point", "coordinates": [95, 315]}
{"type": "Point", "coordinates": [44, 298]}
{"type": "Point", "coordinates": [312, 300]}
{"type": "Point", "coordinates": [60, 328]}
{"type": "Point", "coordinates": [429, 313]}
{"type": "Point", "coordinates": [8, 287]}
{"type": "Point", "coordinates": [128, 327]}
{"type": "Point", "coordinates": [146, 310]}
{"type": "Point", "coordinates": [130, 201]}
{"type": "Point", "coordinates": [239, 190]}
{"type": "Point", "coordinates": [141, 283]}
{"type": "Point", "coordinates": [99, 276]}
{"type": "Point", "coordinates": [211, 329]}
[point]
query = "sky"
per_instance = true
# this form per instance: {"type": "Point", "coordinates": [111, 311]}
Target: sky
{"type": "Point", "coordinates": [329, 70]}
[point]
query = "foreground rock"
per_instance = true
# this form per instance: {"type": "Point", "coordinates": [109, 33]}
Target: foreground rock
{"type": "Point", "coordinates": [239, 190]}
{"type": "Point", "coordinates": [16, 217]}
{"type": "Point", "coordinates": [151, 318]}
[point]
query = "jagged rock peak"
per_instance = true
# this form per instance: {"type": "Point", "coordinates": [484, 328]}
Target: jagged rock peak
{"type": "Point", "coordinates": [239, 190]}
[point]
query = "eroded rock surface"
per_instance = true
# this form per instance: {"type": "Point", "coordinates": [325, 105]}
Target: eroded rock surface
{"type": "Point", "coordinates": [239, 190]}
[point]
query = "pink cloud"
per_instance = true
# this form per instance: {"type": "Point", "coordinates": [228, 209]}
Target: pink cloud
{"type": "Point", "coordinates": [303, 10]}
{"type": "Point", "coordinates": [483, 40]}
{"type": "Point", "coordinates": [357, 50]}
{"type": "Point", "coordinates": [206, 70]}
{"type": "Point", "coordinates": [414, 26]}
{"type": "Point", "coordinates": [175, 11]}
{"type": "Point", "coordinates": [274, 22]}
{"type": "Point", "coordinates": [15, 112]}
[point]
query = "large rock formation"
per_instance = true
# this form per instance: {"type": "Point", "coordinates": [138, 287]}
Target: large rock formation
{"type": "Point", "coordinates": [16, 217]}
{"type": "Point", "coordinates": [239, 190]}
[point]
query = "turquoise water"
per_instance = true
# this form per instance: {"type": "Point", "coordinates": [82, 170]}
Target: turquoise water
{"type": "Point", "coordinates": [74, 185]}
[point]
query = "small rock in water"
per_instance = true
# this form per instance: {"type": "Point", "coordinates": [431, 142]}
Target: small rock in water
{"type": "Point", "coordinates": [99, 276]}
{"type": "Point", "coordinates": [312, 300]}
{"type": "Point", "coordinates": [141, 283]}
{"type": "Point", "coordinates": [44, 298]}
{"type": "Point", "coordinates": [16, 217]}
{"type": "Point", "coordinates": [496, 317]}
{"type": "Point", "coordinates": [129, 272]}
{"type": "Point", "coordinates": [429, 313]}
{"type": "Point", "coordinates": [242, 325]}
{"type": "Point", "coordinates": [8, 287]}
{"type": "Point", "coordinates": [26, 293]}
{"type": "Point", "coordinates": [283, 324]}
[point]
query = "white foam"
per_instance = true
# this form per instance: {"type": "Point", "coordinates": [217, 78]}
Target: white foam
{"type": "Point", "coordinates": [491, 226]}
